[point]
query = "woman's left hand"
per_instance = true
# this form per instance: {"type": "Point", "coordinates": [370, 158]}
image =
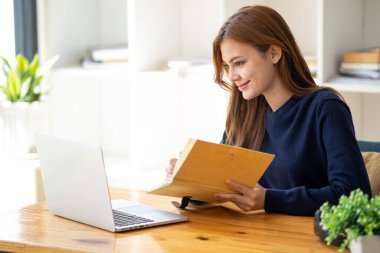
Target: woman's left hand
{"type": "Point", "coordinates": [247, 199]}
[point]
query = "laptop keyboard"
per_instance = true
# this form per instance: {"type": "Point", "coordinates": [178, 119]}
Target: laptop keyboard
{"type": "Point", "coordinates": [127, 219]}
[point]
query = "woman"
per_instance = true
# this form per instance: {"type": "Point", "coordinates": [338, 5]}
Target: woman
{"type": "Point", "coordinates": [276, 107]}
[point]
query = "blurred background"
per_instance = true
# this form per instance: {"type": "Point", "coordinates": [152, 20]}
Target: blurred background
{"type": "Point", "coordinates": [136, 77]}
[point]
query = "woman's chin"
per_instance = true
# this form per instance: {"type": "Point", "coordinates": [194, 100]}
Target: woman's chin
{"type": "Point", "coordinates": [248, 96]}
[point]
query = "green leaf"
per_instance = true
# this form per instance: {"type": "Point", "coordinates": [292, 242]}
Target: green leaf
{"type": "Point", "coordinates": [26, 87]}
{"type": "Point", "coordinates": [13, 86]}
{"type": "Point", "coordinates": [6, 66]}
{"type": "Point", "coordinates": [34, 65]}
{"type": "Point", "coordinates": [39, 79]}
{"type": "Point", "coordinates": [48, 65]}
{"type": "Point", "coordinates": [354, 216]}
{"type": "Point", "coordinates": [32, 88]}
{"type": "Point", "coordinates": [5, 70]}
{"type": "Point", "coordinates": [23, 81]}
{"type": "Point", "coordinates": [22, 63]}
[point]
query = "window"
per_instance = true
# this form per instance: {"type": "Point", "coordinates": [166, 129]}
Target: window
{"type": "Point", "coordinates": [25, 23]}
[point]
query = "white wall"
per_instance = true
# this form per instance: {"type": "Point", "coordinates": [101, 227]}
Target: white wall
{"type": "Point", "coordinates": [371, 23]}
{"type": "Point", "coordinates": [112, 22]}
{"type": "Point", "coordinates": [7, 45]}
{"type": "Point", "coordinates": [153, 33]}
{"type": "Point", "coordinates": [199, 23]}
{"type": "Point", "coordinates": [63, 33]}
{"type": "Point", "coordinates": [302, 20]}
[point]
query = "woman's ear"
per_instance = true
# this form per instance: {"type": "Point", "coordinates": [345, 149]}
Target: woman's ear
{"type": "Point", "coordinates": [275, 53]}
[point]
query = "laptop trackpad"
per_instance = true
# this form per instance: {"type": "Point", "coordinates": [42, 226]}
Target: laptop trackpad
{"type": "Point", "coordinates": [131, 207]}
{"type": "Point", "coordinates": [138, 209]}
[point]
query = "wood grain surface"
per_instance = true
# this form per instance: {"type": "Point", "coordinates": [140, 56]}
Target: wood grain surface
{"type": "Point", "coordinates": [211, 228]}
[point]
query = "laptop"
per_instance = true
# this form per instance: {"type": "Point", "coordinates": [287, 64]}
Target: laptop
{"type": "Point", "coordinates": [76, 188]}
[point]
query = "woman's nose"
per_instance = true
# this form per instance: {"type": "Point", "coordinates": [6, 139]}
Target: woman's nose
{"type": "Point", "coordinates": [233, 76]}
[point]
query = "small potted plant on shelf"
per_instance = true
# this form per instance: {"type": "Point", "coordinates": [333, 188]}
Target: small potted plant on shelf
{"type": "Point", "coordinates": [354, 222]}
{"type": "Point", "coordinates": [20, 97]}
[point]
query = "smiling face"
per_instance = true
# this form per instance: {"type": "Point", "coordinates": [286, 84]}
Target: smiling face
{"type": "Point", "coordinates": [253, 72]}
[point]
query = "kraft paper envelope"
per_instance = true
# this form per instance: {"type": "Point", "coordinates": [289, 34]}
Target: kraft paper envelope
{"type": "Point", "coordinates": [203, 168]}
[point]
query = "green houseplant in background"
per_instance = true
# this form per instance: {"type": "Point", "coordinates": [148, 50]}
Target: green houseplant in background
{"type": "Point", "coordinates": [23, 83]}
{"type": "Point", "coordinates": [356, 220]}
{"type": "Point", "coordinates": [21, 110]}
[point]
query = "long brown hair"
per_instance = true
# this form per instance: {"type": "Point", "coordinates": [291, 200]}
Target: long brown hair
{"type": "Point", "coordinates": [260, 27]}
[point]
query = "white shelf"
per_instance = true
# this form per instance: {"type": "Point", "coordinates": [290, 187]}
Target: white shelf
{"type": "Point", "coordinates": [100, 73]}
{"type": "Point", "coordinates": [356, 85]}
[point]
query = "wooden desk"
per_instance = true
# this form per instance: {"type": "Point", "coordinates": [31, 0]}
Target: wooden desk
{"type": "Point", "coordinates": [209, 229]}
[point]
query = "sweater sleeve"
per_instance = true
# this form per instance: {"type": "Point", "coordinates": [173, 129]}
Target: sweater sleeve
{"type": "Point", "coordinates": [345, 167]}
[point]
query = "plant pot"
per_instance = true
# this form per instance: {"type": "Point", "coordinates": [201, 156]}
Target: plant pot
{"type": "Point", "coordinates": [18, 124]}
{"type": "Point", "coordinates": [322, 234]}
{"type": "Point", "coordinates": [365, 244]}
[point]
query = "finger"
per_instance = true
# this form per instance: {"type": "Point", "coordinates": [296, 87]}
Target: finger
{"type": "Point", "coordinates": [259, 186]}
{"type": "Point", "coordinates": [244, 208]}
{"type": "Point", "coordinates": [242, 202]}
{"type": "Point", "coordinates": [238, 186]}
{"type": "Point", "coordinates": [169, 178]}
{"type": "Point", "coordinates": [169, 169]}
{"type": "Point", "coordinates": [233, 197]}
{"type": "Point", "coordinates": [171, 165]}
{"type": "Point", "coordinates": [173, 161]}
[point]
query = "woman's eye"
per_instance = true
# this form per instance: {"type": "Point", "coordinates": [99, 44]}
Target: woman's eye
{"type": "Point", "coordinates": [239, 63]}
{"type": "Point", "coordinates": [226, 68]}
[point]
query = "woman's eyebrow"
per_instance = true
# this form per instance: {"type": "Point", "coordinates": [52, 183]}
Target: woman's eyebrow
{"type": "Point", "coordinates": [234, 58]}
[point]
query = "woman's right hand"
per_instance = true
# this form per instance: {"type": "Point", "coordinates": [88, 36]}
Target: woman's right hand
{"type": "Point", "coordinates": [170, 169]}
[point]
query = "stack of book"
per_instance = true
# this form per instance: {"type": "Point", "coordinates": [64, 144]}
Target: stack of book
{"type": "Point", "coordinates": [364, 64]}
{"type": "Point", "coordinates": [107, 57]}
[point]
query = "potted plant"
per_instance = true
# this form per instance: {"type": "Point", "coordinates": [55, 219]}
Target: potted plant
{"type": "Point", "coordinates": [20, 97]}
{"type": "Point", "coordinates": [354, 222]}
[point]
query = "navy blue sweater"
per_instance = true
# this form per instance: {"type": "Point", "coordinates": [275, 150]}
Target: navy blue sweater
{"type": "Point", "coordinates": [317, 158]}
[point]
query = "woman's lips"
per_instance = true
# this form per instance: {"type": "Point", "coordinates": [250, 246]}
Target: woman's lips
{"type": "Point", "coordinates": [242, 86]}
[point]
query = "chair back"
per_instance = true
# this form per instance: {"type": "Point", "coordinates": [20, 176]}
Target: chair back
{"type": "Point", "coordinates": [371, 155]}
{"type": "Point", "coordinates": [369, 146]}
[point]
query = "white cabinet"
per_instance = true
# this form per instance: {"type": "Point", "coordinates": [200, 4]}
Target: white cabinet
{"type": "Point", "coordinates": [91, 105]}
{"type": "Point", "coordinates": [154, 122]}
{"type": "Point", "coordinates": [75, 103]}
{"type": "Point", "coordinates": [19, 184]}
{"type": "Point", "coordinates": [147, 116]}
